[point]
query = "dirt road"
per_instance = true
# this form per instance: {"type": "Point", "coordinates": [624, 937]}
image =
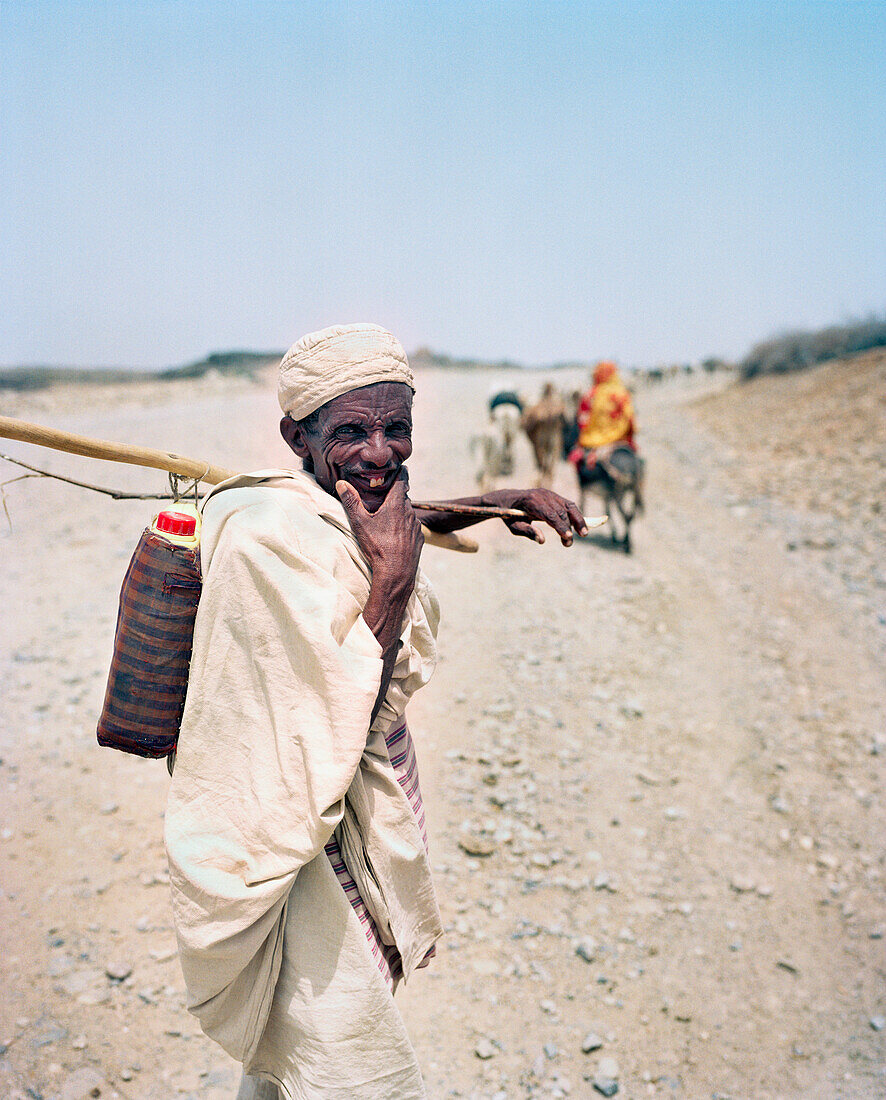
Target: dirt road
{"type": "Point", "coordinates": [673, 762]}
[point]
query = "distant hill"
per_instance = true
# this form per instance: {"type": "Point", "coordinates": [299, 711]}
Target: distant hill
{"type": "Point", "coordinates": [778, 355]}
{"type": "Point", "coordinates": [40, 377]}
{"type": "Point", "coordinates": [424, 357]}
{"type": "Point", "coordinates": [246, 363]}
{"type": "Point", "coordinates": [243, 363]}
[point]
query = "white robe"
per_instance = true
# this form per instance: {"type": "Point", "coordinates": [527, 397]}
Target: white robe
{"type": "Point", "coordinates": [275, 753]}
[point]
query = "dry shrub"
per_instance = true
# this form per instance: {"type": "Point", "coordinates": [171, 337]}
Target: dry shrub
{"type": "Point", "coordinates": [798, 350]}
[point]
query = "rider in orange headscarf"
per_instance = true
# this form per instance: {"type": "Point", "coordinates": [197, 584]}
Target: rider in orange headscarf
{"type": "Point", "coordinates": [605, 415]}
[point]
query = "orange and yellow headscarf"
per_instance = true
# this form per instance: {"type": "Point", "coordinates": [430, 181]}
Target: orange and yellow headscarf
{"type": "Point", "coordinates": [606, 413]}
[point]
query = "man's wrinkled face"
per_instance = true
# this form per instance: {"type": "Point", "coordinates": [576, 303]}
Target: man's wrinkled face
{"type": "Point", "coordinates": [362, 437]}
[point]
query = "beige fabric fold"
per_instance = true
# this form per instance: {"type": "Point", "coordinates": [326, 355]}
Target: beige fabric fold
{"type": "Point", "coordinates": [335, 360]}
{"type": "Point", "coordinates": [275, 753]}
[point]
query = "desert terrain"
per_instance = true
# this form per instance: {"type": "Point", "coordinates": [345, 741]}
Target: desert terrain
{"type": "Point", "coordinates": [654, 782]}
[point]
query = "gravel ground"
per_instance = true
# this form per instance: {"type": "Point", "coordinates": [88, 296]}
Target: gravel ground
{"type": "Point", "coordinates": [654, 783]}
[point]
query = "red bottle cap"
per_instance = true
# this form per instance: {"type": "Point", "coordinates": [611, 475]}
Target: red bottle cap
{"type": "Point", "coordinates": [176, 523]}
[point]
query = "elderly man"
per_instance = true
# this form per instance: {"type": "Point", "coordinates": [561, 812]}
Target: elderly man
{"type": "Point", "coordinates": [301, 887]}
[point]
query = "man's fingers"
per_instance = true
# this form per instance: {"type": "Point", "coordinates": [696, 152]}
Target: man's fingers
{"type": "Point", "coordinates": [556, 516]}
{"type": "Point", "coordinates": [526, 530]}
{"type": "Point", "coordinates": [561, 514]}
{"type": "Point", "coordinates": [396, 497]}
{"type": "Point", "coordinates": [401, 482]}
{"type": "Point", "coordinates": [348, 496]}
{"type": "Point", "coordinates": [576, 518]}
{"type": "Point", "coordinates": [562, 525]}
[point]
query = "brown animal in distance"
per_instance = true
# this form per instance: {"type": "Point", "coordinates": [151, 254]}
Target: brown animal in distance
{"type": "Point", "coordinates": [544, 424]}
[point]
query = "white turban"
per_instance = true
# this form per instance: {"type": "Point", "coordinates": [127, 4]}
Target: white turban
{"type": "Point", "coordinates": [328, 363]}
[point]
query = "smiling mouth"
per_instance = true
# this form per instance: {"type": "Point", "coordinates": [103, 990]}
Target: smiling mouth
{"type": "Point", "coordinates": [374, 482]}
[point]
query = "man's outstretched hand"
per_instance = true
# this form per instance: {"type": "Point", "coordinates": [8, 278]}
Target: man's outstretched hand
{"type": "Point", "coordinates": [542, 505]}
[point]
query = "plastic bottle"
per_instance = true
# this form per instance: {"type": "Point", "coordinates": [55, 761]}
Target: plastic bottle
{"type": "Point", "coordinates": [180, 526]}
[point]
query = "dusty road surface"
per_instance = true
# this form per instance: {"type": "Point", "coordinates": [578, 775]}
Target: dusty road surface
{"type": "Point", "coordinates": [654, 782]}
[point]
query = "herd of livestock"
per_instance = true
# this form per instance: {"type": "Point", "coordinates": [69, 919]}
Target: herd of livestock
{"type": "Point", "coordinates": [554, 425]}
{"type": "Point", "coordinates": [593, 431]}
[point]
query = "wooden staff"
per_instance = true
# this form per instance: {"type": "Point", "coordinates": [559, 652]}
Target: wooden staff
{"type": "Point", "coordinates": [25, 432]}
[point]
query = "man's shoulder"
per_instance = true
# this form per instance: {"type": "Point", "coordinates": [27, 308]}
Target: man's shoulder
{"type": "Point", "coordinates": [267, 491]}
{"type": "Point", "coordinates": [274, 508]}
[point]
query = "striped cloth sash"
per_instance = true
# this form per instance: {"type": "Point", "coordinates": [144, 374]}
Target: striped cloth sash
{"type": "Point", "coordinates": [401, 752]}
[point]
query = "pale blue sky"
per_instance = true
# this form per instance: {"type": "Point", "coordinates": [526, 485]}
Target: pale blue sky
{"type": "Point", "coordinates": [539, 181]}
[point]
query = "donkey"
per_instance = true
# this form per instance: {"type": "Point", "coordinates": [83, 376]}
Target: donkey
{"type": "Point", "coordinates": [616, 475]}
